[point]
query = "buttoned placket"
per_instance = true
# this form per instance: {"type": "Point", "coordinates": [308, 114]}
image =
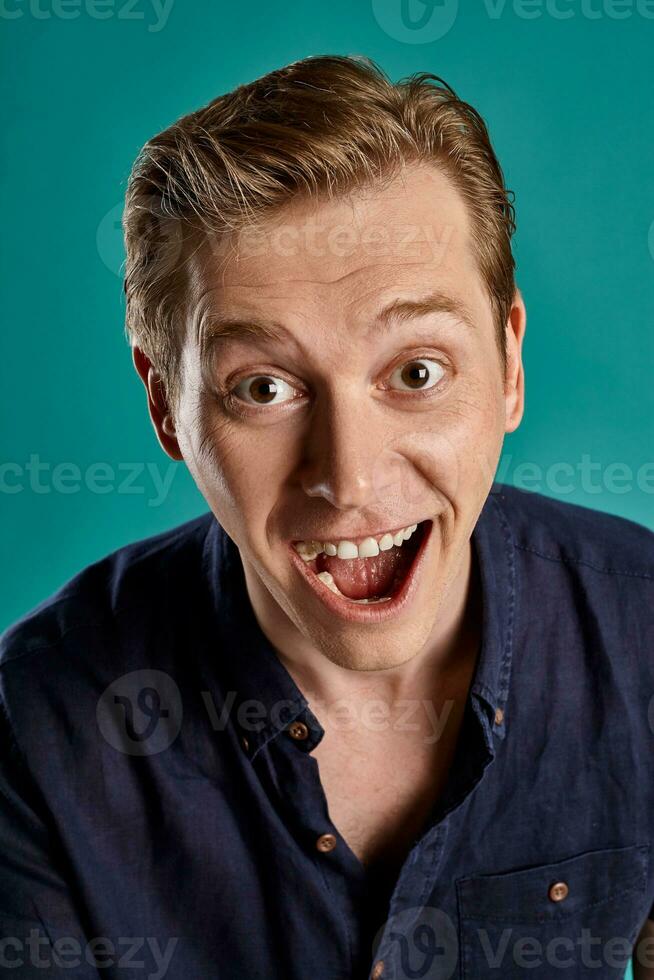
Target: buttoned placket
{"type": "Point", "coordinates": [285, 759]}
{"type": "Point", "coordinates": [291, 776]}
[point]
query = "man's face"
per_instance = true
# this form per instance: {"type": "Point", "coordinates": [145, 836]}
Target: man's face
{"type": "Point", "coordinates": [346, 424]}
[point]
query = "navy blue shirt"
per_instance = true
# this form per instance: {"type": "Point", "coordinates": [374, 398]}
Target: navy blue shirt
{"type": "Point", "coordinates": [160, 816]}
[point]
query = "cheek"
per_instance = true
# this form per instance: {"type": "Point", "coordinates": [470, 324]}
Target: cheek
{"type": "Point", "coordinates": [454, 449]}
{"type": "Point", "coordinates": [476, 434]}
{"type": "Point", "coordinates": [238, 469]}
{"type": "Point", "coordinates": [211, 453]}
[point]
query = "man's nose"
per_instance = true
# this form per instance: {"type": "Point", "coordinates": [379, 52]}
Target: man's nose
{"type": "Point", "coordinates": [342, 453]}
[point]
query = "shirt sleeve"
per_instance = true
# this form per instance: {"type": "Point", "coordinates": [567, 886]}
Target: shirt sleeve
{"type": "Point", "coordinates": [41, 933]}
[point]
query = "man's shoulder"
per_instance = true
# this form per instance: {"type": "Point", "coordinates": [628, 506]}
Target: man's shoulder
{"type": "Point", "coordinates": [138, 574]}
{"type": "Point", "coordinates": [562, 531]}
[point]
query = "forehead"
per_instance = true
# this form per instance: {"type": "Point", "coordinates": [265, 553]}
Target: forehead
{"type": "Point", "coordinates": [350, 256]}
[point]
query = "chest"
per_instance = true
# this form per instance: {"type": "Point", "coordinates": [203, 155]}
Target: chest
{"type": "Point", "coordinates": [381, 787]}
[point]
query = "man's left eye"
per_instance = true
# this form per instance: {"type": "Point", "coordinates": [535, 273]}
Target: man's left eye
{"type": "Point", "coordinates": [263, 389]}
{"type": "Point", "coordinates": [418, 374]}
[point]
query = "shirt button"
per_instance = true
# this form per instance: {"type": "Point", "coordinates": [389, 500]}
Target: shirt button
{"type": "Point", "coordinates": [326, 842]}
{"type": "Point", "coordinates": [298, 730]}
{"type": "Point", "coordinates": [245, 744]}
{"type": "Point", "coordinates": [499, 716]}
{"type": "Point", "coordinates": [558, 891]}
{"type": "Point", "coordinates": [377, 970]}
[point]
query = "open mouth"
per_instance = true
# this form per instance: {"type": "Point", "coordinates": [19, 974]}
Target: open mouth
{"type": "Point", "coordinates": [383, 580]}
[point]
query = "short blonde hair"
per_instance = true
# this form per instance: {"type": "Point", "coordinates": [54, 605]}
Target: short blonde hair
{"type": "Point", "coordinates": [324, 125]}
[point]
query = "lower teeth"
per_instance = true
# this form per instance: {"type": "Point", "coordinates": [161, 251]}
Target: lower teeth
{"type": "Point", "coordinates": [328, 579]}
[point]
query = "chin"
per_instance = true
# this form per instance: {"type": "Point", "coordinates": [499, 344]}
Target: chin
{"type": "Point", "coordinates": [354, 648]}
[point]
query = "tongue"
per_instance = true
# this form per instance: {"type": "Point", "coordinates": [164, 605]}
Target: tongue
{"type": "Point", "coordinates": [368, 578]}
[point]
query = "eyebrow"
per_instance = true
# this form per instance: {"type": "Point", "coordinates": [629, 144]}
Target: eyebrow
{"type": "Point", "coordinates": [217, 326]}
{"type": "Point", "coordinates": [435, 302]}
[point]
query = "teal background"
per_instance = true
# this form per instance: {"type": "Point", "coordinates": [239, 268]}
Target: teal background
{"type": "Point", "coordinates": [568, 103]}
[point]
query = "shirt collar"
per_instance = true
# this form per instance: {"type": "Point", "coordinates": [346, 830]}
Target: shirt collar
{"type": "Point", "coordinates": [263, 696]}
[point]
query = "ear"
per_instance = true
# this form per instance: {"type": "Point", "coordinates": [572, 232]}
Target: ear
{"type": "Point", "coordinates": [514, 379]}
{"type": "Point", "coordinates": [160, 414]}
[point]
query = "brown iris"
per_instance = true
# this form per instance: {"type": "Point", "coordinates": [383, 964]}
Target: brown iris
{"type": "Point", "coordinates": [263, 390]}
{"type": "Point", "coordinates": [414, 374]}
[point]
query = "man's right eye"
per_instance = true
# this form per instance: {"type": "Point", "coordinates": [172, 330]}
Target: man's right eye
{"type": "Point", "coordinates": [263, 389]}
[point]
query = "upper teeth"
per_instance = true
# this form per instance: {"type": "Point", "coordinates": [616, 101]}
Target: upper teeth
{"type": "Point", "coordinates": [368, 548]}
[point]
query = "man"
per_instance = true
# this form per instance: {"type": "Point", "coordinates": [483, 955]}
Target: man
{"type": "Point", "coordinates": [374, 714]}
